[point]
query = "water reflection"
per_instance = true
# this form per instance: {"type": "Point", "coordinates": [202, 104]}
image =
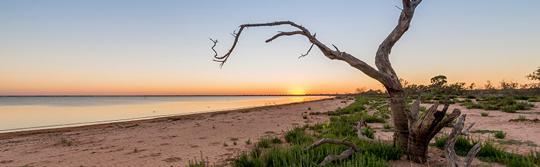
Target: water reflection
{"type": "Point", "coordinates": [23, 113]}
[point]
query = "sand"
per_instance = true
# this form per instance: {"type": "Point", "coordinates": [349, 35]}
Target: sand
{"type": "Point", "coordinates": [220, 136]}
{"type": "Point", "coordinates": [172, 141]}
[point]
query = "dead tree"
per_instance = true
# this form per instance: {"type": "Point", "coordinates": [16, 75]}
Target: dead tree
{"type": "Point", "coordinates": [384, 73]}
{"type": "Point", "coordinates": [449, 150]}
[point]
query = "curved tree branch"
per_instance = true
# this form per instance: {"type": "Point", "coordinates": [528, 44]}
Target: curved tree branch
{"type": "Point", "coordinates": [332, 141]}
{"type": "Point", "coordinates": [328, 52]}
{"type": "Point", "coordinates": [381, 59]}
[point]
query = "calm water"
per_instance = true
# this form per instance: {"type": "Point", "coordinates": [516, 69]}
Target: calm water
{"type": "Point", "coordinates": [25, 113]}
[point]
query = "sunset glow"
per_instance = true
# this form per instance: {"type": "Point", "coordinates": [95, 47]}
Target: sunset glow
{"type": "Point", "coordinates": [297, 91]}
{"type": "Point", "coordinates": [67, 48]}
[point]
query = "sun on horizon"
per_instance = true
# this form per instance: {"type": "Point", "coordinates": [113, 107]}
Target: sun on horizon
{"type": "Point", "coordinates": [297, 91]}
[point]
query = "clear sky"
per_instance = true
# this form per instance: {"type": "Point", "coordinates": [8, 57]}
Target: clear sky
{"type": "Point", "coordinates": [161, 47]}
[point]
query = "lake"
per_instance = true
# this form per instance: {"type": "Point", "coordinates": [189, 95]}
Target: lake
{"type": "Point", "coordinates": [30, 113]}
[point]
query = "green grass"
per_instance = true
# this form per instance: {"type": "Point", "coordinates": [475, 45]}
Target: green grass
{"type": "Point", "coordinates": [340, 126]}
{"type": "Point", "coordinates": [297, 156]}
{"type": "Point", "coordinates": [491, 153]}
{"type": "Point", "coordinates": [462, 146]}
{"type": "Point", "coordinates": [484, 114]}
{"type": "Point", "coordinates": [518, 142]}
{"type": "Point", "coordinates": [298, 136]}
{"type": "Point", "coordinates": [505, 104]}
{"type": "Point", "coordinates": [387, 126]}
{"type": "Point", "coordinates": [500, 135]}
{"type": "Point", "coordinates": [266, 142]}
{"type": "Point", "coordinates": [534, 99]}
{"type": "Point", "coordinates": [368, 132]}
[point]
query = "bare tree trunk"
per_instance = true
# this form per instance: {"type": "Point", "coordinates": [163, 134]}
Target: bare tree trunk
{"type": "Point", "coordinates": [401, 122]}
{"type": "Point", "coordinates": [412, 133]}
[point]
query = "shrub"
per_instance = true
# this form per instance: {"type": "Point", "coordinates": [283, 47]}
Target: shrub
{"type": "Point", "coordinates": [387, 126]}
{"type": "Point", "coordinates": [373, 119]}
{"type": "Point", "coordinates": [522, 118]}
{"type": "Point", "coordinates": [484, 114]}
{"type": "Point", "coordinates": [500, 135]}
{"type": "Point", "coordinates": [368, 132]}
{"type": "Point", "coordinates": [534, 99]}
{"type": "Point", "coordinates": [298, 136]}
{"type": "Point", "coordinates": [505, 104]}
{"type": "Point", "coordinates": [462, 146]}
{"type": "Point", "coordinates": [276, 140]}
{"type": "Point", "coordinates": [264, 143]}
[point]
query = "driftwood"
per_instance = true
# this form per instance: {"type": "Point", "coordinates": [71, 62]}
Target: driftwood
{"type": "Point", "coordinates": [449, 151]}
{"type": "Point", "coordinates": [347, 153]}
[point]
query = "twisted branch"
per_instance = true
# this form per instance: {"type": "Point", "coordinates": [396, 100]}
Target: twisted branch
{"type": "Point", "coordinates": [381, 59]}
{"type": "Point", "coordinates": [330, 53]}
{"type": "Point", "coordinates": [450, 153]}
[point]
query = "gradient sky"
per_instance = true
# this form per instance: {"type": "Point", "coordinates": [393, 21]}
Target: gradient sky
{"type": "Point", "coordinates": [97, 47]}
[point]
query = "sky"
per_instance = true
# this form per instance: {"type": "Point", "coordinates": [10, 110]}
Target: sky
{"type": "Point", "coordinates": [129, 47]}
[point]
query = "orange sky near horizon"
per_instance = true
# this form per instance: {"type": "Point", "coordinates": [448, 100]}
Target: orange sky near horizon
{"type": "Point", "coordinates": [105, 47]}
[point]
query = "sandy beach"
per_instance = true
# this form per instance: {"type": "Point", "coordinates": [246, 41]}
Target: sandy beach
{"type": "Point", "coordinates": [172, 141]}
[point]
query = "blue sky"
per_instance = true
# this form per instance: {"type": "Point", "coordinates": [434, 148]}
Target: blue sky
{"type": "Point", "coordinates": [133, 47]}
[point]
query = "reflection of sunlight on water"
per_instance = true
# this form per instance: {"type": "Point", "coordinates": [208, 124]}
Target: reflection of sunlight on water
{"type": "Point", "coordinates": [47, 112]}
{"type": "Point", "coordinates": [297, 99]}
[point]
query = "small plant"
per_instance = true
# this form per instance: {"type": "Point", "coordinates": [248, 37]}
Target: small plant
{"type": "Point", "coordinates": [387, 126]}
{"type": "Point", "coordinates": [297, 136]}
{"type": "Point", "coordinates": [484, 114]}
{"type": "Point", "coordinates": [309, 108]}
{"type": "Point", "coordinates": [500, 135]}
{"type": "Point", "coordinates": [264, 143]}
{"type": "Point", "coordinates": [368, 132]}
{"type": "Point", "coordinates": [248, 142]}
{"type": "Point", "coordinates": [66, 142]}
{"type": "Point", "coordinates": [276, 140]}
{"type": "Point", "coordinates": [199, 162]}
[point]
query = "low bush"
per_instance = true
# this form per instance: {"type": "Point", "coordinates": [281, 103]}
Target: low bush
{"type": "Point", "coordinates": [484, 114]}
{"type": "Point", "coordinates": [298, 136]}
{"type": "Point", "coordinates": [505, 104]}
{"type": "Point", "coordinates": [500, 135]}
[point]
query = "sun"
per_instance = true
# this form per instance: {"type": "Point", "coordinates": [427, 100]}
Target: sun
{"type": "Point", "coordinates": [297, 91]}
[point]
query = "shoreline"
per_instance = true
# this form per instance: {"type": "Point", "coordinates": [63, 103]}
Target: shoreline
{"type": "Point", "coordinates": [169, 141]}
{"type": "Point", "coordinates": [106, 123]}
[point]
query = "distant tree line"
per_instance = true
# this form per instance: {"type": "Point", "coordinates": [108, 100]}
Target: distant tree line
{"type": "Point", "coordinates": [439, 86]}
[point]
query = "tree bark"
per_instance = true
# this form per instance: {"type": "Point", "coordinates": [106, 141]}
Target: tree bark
{"type": "Point", "coordinates": [399, 118]}
{"type": "Point", "coordinates": [412, 133]}
{"type": "Point", "coordinates": [418, 147]}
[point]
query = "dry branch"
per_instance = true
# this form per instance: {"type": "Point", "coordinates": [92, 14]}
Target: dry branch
{"type": "Point", "coordinates": [449, 151]}
{"type": "Point", "coordinates": [347, 153]}
{"type": "Point", "coordinates": [330, 53]}
{"type": "Point", "coordinates": [409, 128]}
